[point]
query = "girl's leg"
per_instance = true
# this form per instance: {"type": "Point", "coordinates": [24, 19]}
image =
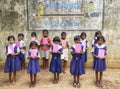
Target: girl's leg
{"type": "Point", "coordinates": [14, 78]}
{"type": "Point", "coordinates": [100, 81]}
{"type": "Point", "coordinates": [31, 79]}
{"type": "Point", "coordinates": [43, 63]}
{"type": "Point", "coordinates": [57, 77]}
{"type": "Point", "coordinates": [74, 82]}
{"type": "Point", "coordinates": [97, 81]}
{"type": "Point", "coordinates": [96, 73]}
{"type": "Point", "coordinates": [54, 81]}
{"type": "Point", "coordinates": [34, 83]}
{"type": "Point", "coordinates": [78, 83]}
{"type": "Point", "coordinates": [47, 63]}
{"type": "Point", "coordinates": [64, 66]}
{"type": "Point", "coordinates": [10, 79]}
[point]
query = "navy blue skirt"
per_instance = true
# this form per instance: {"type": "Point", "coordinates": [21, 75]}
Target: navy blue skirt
{"type": "Point", "coordinates": [77, 67]}
{"type": "Point", "coordinates": [99, 65]}
{"type": "Point", "coordinates": [22, 56]}
{"type": "Point", "coordinates": [33, 66]}
{"type": "Point", "coordinates": [12, 64]}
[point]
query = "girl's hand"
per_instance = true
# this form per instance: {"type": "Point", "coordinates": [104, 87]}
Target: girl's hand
{"type": "Point", "coordinates": [59, 52]}
{"type": "Point", "coordinates": [6, 54]}
{"type": "Point", "coordinates": [29, 57]}
{"type": "Point", "coordinates": [51, 52]}
{"type": "Point", "coordinates": [13, 54]}
{"type": "Point", "coordinates": [97, 56]}
{"type": "Point", "coordinates": [36, 57]}
{"type": "Point", "coordinates": [81, 52]}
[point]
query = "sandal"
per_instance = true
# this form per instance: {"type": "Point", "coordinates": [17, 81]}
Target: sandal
{"type": "Point", "coordinates": [101, 84]}
{"type": "Point", "coordinates": [78, 85]}
{"type": "Point", "coordinates": [97, 84]}
{"type": "Point", "coordinates": [74, 84]}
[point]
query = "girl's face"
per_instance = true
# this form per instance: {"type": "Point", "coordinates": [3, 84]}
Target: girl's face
{"type": "Point", "coordinates": [77, 41]}
{"type": "Point", "coordinates": [56, 42]}
{"type": "Point", "coordinates": [11, 41]}
{"type": "Point", "coordinates": [33, 46]}
{"type": "Point", "coordinates": [33, 36]}
{"type": "Point", "coordinates": [63, 36]}
{"type": "Point", "coordinates": [83, 36]}
{"type": "Point", "coordinates": [45, 34]}
{"type": "Point", "coordinates": [100, 41]}
{"type": "Point", "coordinates": [19, 38]}
{"type": "Point", "coordinates": [22, 37]}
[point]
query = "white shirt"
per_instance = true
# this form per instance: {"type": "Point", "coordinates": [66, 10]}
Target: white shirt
{"type": "Point", "coordinates": [13, 45]}
{"type": "Point", "coordinates": [99, 46]}
{"type": "Point", "coordinates": [22, 44]}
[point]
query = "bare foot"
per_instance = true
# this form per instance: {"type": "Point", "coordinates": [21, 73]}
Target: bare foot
{"type": "Point", "coordinates": [9, 82]}
{"type": "Point", "coordinates": [14, 82]}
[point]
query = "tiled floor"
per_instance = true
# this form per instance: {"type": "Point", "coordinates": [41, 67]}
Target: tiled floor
{"type": "Point", "coordinates": [111, 80]}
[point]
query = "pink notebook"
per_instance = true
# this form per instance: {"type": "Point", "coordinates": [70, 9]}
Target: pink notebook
{"type": "Point", "coordinates": [10, 49]}
{"type": "Point", "coordinates": [101, 53]}
{"type": "Point", "coordinates": [64, 43]}
{"type": "Point", "coordinates": [18, 43]}
{"type": "Point", "coordinates": [77, 48]}
{"type": "Point", "coordinates": [45, 40]}
{"type": "Point", "coordinates": [33, 53]}
{"type": "Point", "coordinates": [55, 48]}
{"type": "Point", "coordinates": [32, 38]}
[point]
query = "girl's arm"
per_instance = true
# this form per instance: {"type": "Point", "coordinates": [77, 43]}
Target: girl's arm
{"type": "Point", "coordinates": [67, 45]}
{"type": "Point", "coordinates": [72, 52]}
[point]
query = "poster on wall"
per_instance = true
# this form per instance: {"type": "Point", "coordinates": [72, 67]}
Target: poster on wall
{"type": "Point", "coordinates": [65, 14]}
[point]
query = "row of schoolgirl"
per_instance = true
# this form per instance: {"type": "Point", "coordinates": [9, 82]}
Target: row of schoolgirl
{"type": "Point", "coordinates": [15, 53]}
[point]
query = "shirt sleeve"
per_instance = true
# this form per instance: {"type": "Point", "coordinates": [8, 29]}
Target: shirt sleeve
{"type": "Point", "coordinates": [18, 49]}
{"type": "Point", "coordinates": [93, 41]}
{"type": "Point", "coordinates": [72, 48]}
{"type": "Point", "coordinates": [93, 49]}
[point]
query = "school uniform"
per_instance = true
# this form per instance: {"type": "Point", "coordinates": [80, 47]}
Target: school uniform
{"type": "Point", "coordinates": [56, 63]}
{"type": "Point", "coordinates": [77, 65]}
{"type": "Point", "coordinates": [12, 63]}
{"type": "Point", "coordinates": [99, 64]}
{"type": "Point", "coordinates": [22, 51]}
{"type": "Point", "coordinates": [85, 45]}
{"type": "Point", "coordinates": [33, 64]}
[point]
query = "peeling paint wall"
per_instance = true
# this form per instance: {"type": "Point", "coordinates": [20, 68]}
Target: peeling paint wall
{"type": "Point", "coordinates": [13, 20]}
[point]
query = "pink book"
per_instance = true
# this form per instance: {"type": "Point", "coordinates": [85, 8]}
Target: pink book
{"type": "Point", "coordinates": [101, 53]}
{"type": "Point", "coordinates": [33, 53]}
{"type": "Point", "coordinates": [18, 43]}
{"type": "Point", "coordinates": [10, 49]}
{"type": "Point", "coordinates": [64, 43]}
{"type": "Point", "coordinates": [55, 48]}
{"type": "Point", "coordinates": [45, 40]}
{"type": "Point", "coordinates": [77, 48]}
{"type": "Point", "coordinates": [32, 38]}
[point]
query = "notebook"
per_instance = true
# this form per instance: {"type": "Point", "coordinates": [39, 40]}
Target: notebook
{"type": "Point", "coordinates": [101, 53]}
{"type": "Point", "coordinates": [77, 48]}
{"type": "Point", "coordinates": [33, 53]}
{"type": "Point", "coordinates": [55, 48]}
{"type": "Point", "coordinates": [64, 43]}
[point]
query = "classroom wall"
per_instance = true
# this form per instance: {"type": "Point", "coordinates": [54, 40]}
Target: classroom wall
{"type": "Point", "coordinates": [13, 20]}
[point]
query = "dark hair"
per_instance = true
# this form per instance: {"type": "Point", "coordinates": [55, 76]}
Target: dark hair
{"type": "Point", "coordinates": [45, 30]}
{"type": "Point", "coordinates": [11, 36]}
{"type": "Point", "coordinates": [97, 33]}
{"type": "Point", "coordinates": [63, 33]}
{"type": "Point", "coordinates": [83, 34]}
{"type": "Point", "coordinates": [91, 2]}
{"type": "Point", "coordinates": [33, 33]}
{"type": "Point", "coordinates": [20, 34]}
{"type": "Point", "coordinates": [33, 43]}
{"type": "Point", "coordinates": [101, 37]}
{"type": "Point", "coordinates": [77, 37]}
{"type": "Point", "coordinates": [56, 38]}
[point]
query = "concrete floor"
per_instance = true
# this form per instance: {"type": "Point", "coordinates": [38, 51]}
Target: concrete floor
{"type": "Point", "coordinates": [111, 80]}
